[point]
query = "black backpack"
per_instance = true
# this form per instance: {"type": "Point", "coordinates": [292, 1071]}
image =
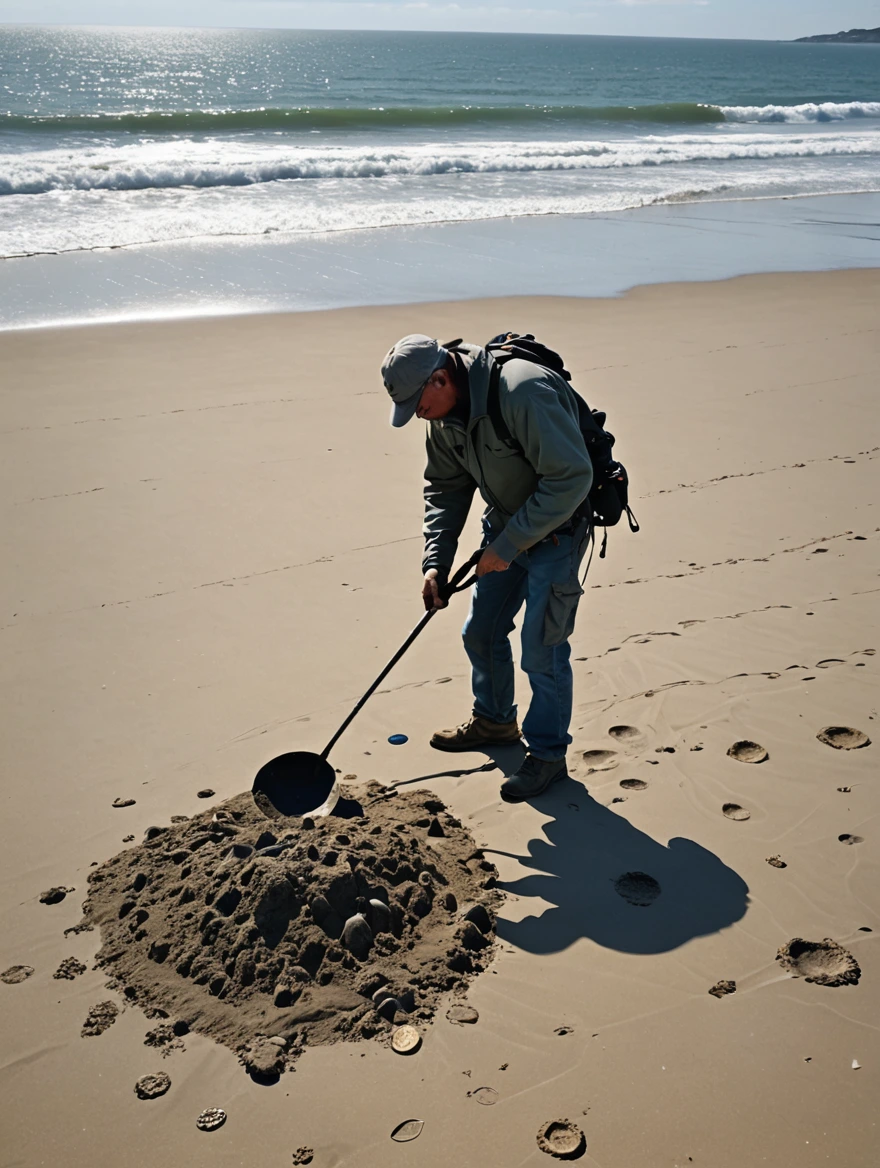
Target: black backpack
{"type": "Point", "coordinates": [608, 499]}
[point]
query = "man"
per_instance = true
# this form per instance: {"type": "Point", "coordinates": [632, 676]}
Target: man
{"type": "Point", "coordinates": [534, 537]}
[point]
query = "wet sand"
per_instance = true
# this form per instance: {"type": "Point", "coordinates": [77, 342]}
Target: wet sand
{"type": "Point", "coordinates": [211, 541]}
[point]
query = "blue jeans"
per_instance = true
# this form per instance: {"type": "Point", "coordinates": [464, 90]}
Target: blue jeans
{"type": "Point", "coordinates": [545, 579]}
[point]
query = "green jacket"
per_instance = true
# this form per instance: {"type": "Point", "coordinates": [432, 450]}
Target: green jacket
{"type": "Point", "coordinates": [527, 495]}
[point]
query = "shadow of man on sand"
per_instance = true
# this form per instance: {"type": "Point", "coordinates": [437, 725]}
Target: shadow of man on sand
{"type": "Point", "coordinates": [608, 881]}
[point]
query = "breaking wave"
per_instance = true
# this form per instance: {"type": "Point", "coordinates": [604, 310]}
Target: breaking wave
{"type": "Point", "coordinates": [135, 167]}
{"type": "Point", "coordinates": [810, 111]}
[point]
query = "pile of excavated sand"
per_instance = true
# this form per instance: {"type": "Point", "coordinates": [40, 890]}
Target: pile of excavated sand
{"type": "Point", "coordinates": [300, 930]}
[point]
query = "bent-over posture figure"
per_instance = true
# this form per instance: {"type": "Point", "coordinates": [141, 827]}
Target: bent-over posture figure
{"type": "Point", "coordinates": [534, 535]}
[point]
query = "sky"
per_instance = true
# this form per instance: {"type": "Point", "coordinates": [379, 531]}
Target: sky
{"type": "Point", "coordinates": [761, 19]}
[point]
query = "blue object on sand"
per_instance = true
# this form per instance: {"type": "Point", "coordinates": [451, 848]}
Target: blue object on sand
{"type": "Point", "coordinates": [398, 739]}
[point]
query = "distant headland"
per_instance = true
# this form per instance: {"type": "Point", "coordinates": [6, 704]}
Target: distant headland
{"type": "Point", "coordinates": [855, 36]}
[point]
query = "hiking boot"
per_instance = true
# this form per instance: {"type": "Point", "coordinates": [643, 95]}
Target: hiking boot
{"type": "Point", "coordinates": [533, 778]}
{"type": "Point", "coordinates": [476, 734]}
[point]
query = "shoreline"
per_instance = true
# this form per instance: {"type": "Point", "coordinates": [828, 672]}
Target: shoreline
{"type": "Point", "coordinates": [292, 236]}
{"type": "Point", "coordinates": [592, 255]}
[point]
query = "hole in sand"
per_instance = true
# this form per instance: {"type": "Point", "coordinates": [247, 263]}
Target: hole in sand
{"type": "Point", "coordinates": [637, 888]}
{"type": "Point", "coordinates": [600, 760]}
{"type": "Point", "coordinates": [843, 737]}
{"type": "Point", "coordinates": [746, 751]}
{"type": "Point", "coordinates": [633, 784]}
{"type": "Point", "coordinates": [823, 962]}
{"type": "Point", "coordinates": [627, 735]}
{"type": "Point", "coordinates": [562, 1138]}
{"type": "Point", "coordinates": [734, 811]}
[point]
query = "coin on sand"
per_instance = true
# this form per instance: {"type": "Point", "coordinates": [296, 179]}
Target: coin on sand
{"type": "Point", "coordinates": [211, 1119]}
{"type": "Point", "coordinates": [405, 1040]}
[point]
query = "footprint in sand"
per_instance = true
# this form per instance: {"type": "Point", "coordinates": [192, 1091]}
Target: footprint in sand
{"type": "Point", "coordinates": [633, 784]}
{"type": "Point", "coordinates": [630, 737]}
{"type": "Point", "coordinates": [846, 838]}
{"type": "Point", "coordinates": [734, 811]}
{"type": "Point", "coordinates": [55, 895]}
{"type": "Point", "coordinates": [637, 888]}
{"type": "Point", "coordinates": [829, 663]}
{"type": "Point", "coordinates": [822, 962]}
{"type": "Point", "coordinates": [843, 738]}
{"type": "Point", "coordinates": [746, 751]}
{"type": "Point", "coordinates": [600, 760]}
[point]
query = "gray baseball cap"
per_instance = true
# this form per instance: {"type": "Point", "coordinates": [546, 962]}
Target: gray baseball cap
{"type": "Point", "coordinates": [405, 371]}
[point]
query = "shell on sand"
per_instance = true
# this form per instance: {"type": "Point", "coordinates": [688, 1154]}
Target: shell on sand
{"type": "Point", "coordinates": [747, 751]}
{"type": "Point", "coordinates": [211, 1118]}
{"type": "Point", "coordinates": [561, 1138]}
{"type": "Point", "coordinates": [843, 738]}
{"type": "Point", "coordinates": [152, 1086]}
{"type": "Point", "coordinates": [410, 1129]}
{"type": "Point", "coordinates": [406, 1040]}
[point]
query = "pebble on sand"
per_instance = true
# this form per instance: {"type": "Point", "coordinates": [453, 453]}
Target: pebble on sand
{"type": "Point", "coordinates": [69, 969]}
{"type": "Point", "coordinates": [55, 895]}
{"type": "Point", "coordinates": [99, 1018]}
{"type": "Point", "coordinates": [152, 1086]}
{"type": "Point", "coordinates": [721, 988]}
{"type": "Point", "coordinates": [462, 1015]}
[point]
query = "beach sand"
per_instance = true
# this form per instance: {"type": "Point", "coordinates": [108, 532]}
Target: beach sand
{"type": "Point", "coordinates": [211, 545]}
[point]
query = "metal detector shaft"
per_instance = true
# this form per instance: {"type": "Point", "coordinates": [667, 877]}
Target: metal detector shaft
{"type": "Point", "coordinates": [456, 584]}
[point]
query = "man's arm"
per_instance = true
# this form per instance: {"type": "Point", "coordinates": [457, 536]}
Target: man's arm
{"type": "Point", "coordinates": [449, 490]}
{"type": "Point", "coordinates": [552, 442]}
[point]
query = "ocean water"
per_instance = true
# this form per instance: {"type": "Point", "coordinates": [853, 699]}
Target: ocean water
{"type": "Point", "coordinates": [117, 137]}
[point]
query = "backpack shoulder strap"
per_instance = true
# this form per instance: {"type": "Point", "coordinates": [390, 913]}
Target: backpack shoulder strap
{"type": "Point", "coordinates": [493, 408]}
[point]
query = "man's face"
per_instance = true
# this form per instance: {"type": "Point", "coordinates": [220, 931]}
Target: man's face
{"type": "Point", "coordinates": [438, 397]}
